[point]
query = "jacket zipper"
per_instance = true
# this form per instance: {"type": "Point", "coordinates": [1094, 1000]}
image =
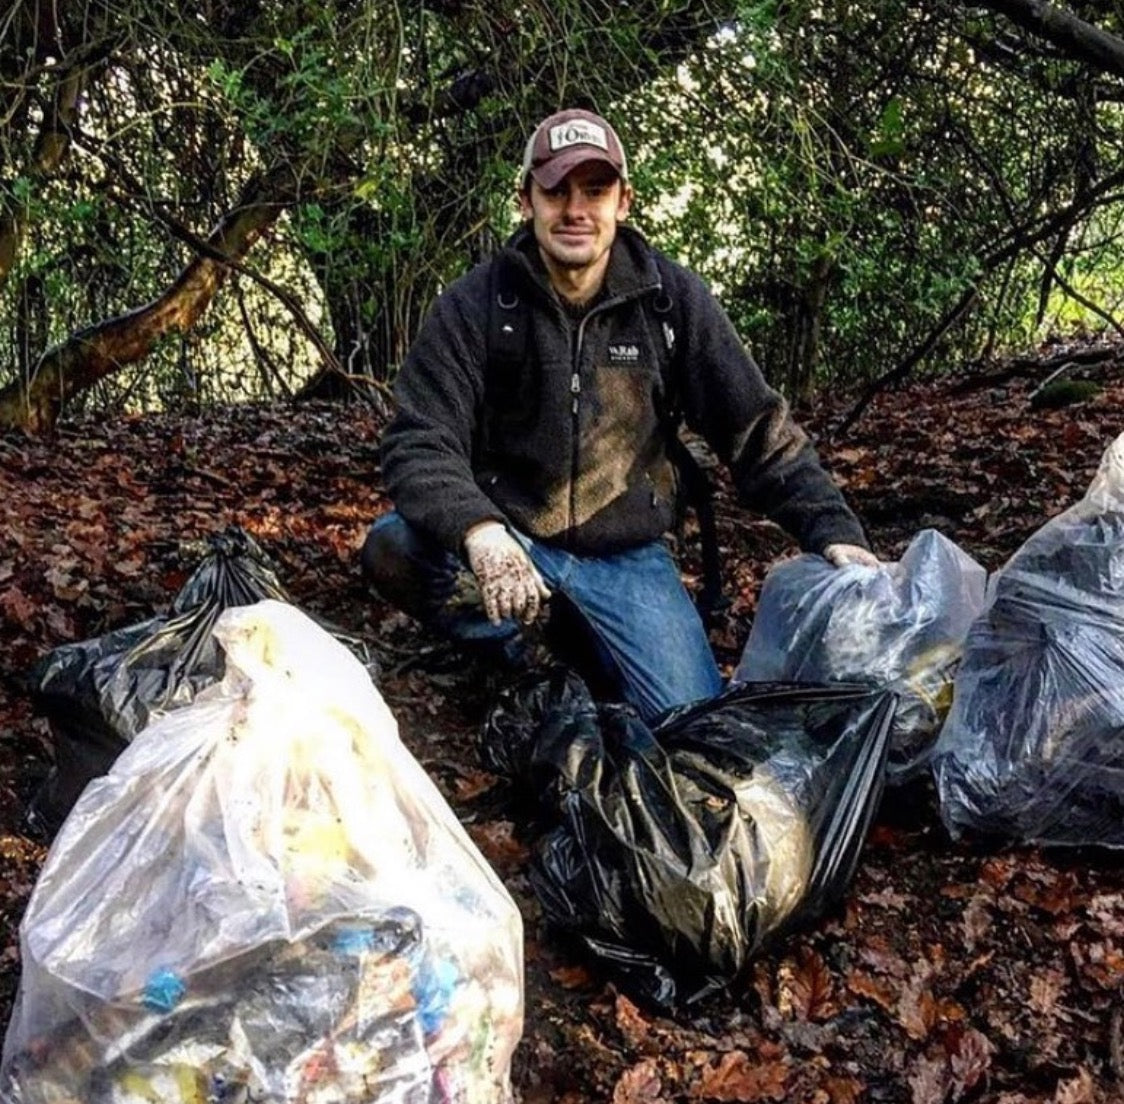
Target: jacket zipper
{"type": "Point", "coordinates": [575, 399]}
{"type": "Point", "coordinates": [575, 420]}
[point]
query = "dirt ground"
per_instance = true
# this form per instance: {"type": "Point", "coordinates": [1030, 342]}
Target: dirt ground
{"type": "Point", "coordinates": [951, 972]}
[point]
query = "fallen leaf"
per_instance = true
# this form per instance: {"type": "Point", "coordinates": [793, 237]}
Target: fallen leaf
{"type": "Point", "coordinates": [844, 1090]}
{"type": "Point", "coordinates": [863, 985]}
{"type": "Point", "coordinates": [805, 987]}
{"type": "Point", "coordinates": [887, 898]}
{"type": "Point", "coordinates": [17, 607]}
{"type": "Point", "coordinates": [1045, 988]}
{"type": "Point", "coordinates": [639, 1085]}
{"type": "Point", "coordinates": [1057, 893]}
{"type": "Point", "coordinates": [737, 1077]}
{"type": "Point", "coordinates": [877, 954]}
{"type": "Point", "coordinates": [929, 1082]}
{"type": "Point", "coordinates": [572, 977]}
{"type": "Point", "coordinates": [1080, 1090]}
{"type": "Point", "coordinates": [976, 921]}
{"type": "Point", "coordinates": [917, 1012]}
{"type": "Point", "coordinates": [631, 1022]}
{"type": "Point", "coordinates": [996, 872]}
{"type": "Point", "coordinates": [970, 1062]}
{"type": "Point", "coordinates": [472, 783]}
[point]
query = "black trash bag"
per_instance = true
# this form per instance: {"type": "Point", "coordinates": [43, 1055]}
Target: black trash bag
{"type": "Point", "coordinates": [675, 851]}
{"type": "Point", "coordinates": [98, 694]}
{"type": "Point", "coordinates": [526, 715]}
{"type": "Point", "coordinates": [1033, 748]}
{"type": "Point", "coordinates": [901, 624]}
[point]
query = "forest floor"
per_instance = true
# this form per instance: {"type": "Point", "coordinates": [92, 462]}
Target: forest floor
{"type": "Point", "coordinates": [951, 973]}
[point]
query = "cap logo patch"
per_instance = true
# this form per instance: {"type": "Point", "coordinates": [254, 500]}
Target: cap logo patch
{"type": "Point", "coordinates": [578, 133]}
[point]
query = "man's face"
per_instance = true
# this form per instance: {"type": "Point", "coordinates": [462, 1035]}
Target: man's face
{"type": "Point", "coordinates": [575, 223]}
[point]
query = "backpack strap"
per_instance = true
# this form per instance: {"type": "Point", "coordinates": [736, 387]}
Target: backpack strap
{"type": "Point", "coordinates": [509, 329]}
{"type": "Point", "coordinates": [698, 492]}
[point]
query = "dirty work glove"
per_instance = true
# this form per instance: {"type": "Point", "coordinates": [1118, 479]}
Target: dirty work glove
{"type": "Point", "coordinates": [841, 555]}
{"type": "Point", "coordinates": [509, 583]}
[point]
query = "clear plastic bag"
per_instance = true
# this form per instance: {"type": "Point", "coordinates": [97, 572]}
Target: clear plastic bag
{"type": "Point", "coordinates": [267, 899]}
{"type": "Point", "coordinates": [901, 625]}
{"type": "Point", "coordinates": [675, 852]}
{"type": "Point", "coordinates": [1033, 747]}
{"type": "Point", "coordinates": [98, 694]}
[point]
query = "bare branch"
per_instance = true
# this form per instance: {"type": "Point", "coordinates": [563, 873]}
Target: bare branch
{"type": "Point", "coordinates": [1073, 36]}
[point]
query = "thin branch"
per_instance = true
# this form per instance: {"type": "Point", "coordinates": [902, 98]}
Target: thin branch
{"type": "Point", "coordinates": [1074, 294]}
{"type": "Point", "coordinates": [899, 372]}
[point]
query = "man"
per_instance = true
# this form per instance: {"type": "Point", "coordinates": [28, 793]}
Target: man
{"type": "Point", "coordinates": [549, 471]}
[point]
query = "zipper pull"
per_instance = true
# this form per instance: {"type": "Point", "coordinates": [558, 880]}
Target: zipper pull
{"type": "Point", "coordinates": [575, 390]}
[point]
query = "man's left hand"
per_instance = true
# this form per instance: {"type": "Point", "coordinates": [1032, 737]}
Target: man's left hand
{"type": "Point", "coordinates": [841, 555]}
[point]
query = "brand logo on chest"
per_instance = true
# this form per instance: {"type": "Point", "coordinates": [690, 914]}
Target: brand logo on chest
{"type": "Point", "coordinates": [624, 352]}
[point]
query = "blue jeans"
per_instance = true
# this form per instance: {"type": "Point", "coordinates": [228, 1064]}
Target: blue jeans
{"type": "Point", "coordinates": [645, 630]}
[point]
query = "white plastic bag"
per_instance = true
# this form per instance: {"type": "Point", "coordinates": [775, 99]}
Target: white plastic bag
{"type": "Point", "coordinates": [1033, 748]}
{"type": "Point", "coordinates": [900, 625]}
{"type": "Point", "coordinates": [267, 899]}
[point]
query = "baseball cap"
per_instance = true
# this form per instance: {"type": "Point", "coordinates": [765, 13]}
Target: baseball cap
{"type": "Point", "coordinates": [567, 139]}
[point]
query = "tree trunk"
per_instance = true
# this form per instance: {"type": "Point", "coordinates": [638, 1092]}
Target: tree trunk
{"type": "Point", "coordinates": [50, 149]}
{"type": "Point", "coordinates": [806, 330]}
{"type": "Point", "coordinates": [98, 351]}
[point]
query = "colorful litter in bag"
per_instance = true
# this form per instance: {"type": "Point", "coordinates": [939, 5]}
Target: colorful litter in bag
{"type": "Point", "coordinates": [267, 899]}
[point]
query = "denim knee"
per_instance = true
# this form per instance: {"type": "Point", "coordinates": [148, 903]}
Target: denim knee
{"type": "Point", "coordinates": [408, 570]}
{"type": "Point", "coordinates": [381, 548]}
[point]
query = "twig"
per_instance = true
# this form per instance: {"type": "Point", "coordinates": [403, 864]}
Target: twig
{"type": "Point", "coordinates": [213, 477]}
{"type": "Point", "coordinates": [901, 370]}
{"type": "Point", "coordinates": [1068, 366]}
{"type": "Point", "coordinates": [1073, 293]}
{"type": "Point", "coordinates": [1116, 1043]}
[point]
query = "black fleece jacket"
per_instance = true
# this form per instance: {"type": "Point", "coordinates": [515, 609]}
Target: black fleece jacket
{"type": "Point", "coordinates": [572, 448]}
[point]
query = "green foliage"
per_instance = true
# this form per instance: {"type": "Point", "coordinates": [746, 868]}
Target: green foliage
{"type": "Point", "coordinates": [843, 175]}
{"type": "Point", "coordinates": [846, 175]}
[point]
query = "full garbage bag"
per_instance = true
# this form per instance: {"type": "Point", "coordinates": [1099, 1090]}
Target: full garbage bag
{"type": "Point", "coordinates": [675, 851]}
{"type": "Point", "coordinates": [901, 624]}
{"type": "Point", "coordinates": [1033, 747]}
{"type": "Point", "coordinates": [98, 694]}
{"type": "Point", "coordinates": [267, 899]}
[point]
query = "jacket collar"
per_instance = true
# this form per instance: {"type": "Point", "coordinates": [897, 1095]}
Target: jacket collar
{"type": "Point", "coordinates": [631, 272]}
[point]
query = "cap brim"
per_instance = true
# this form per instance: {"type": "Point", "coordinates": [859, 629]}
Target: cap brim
{"type": "Point", "coordinates": [552, 173]}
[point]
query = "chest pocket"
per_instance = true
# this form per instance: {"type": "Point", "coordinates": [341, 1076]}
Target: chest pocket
{"type": "Point", "coordinates": [628, 390]}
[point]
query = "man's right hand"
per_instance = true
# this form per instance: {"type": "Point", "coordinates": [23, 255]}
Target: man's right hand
{"type": "Point", "coordinates": [509, 583]}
